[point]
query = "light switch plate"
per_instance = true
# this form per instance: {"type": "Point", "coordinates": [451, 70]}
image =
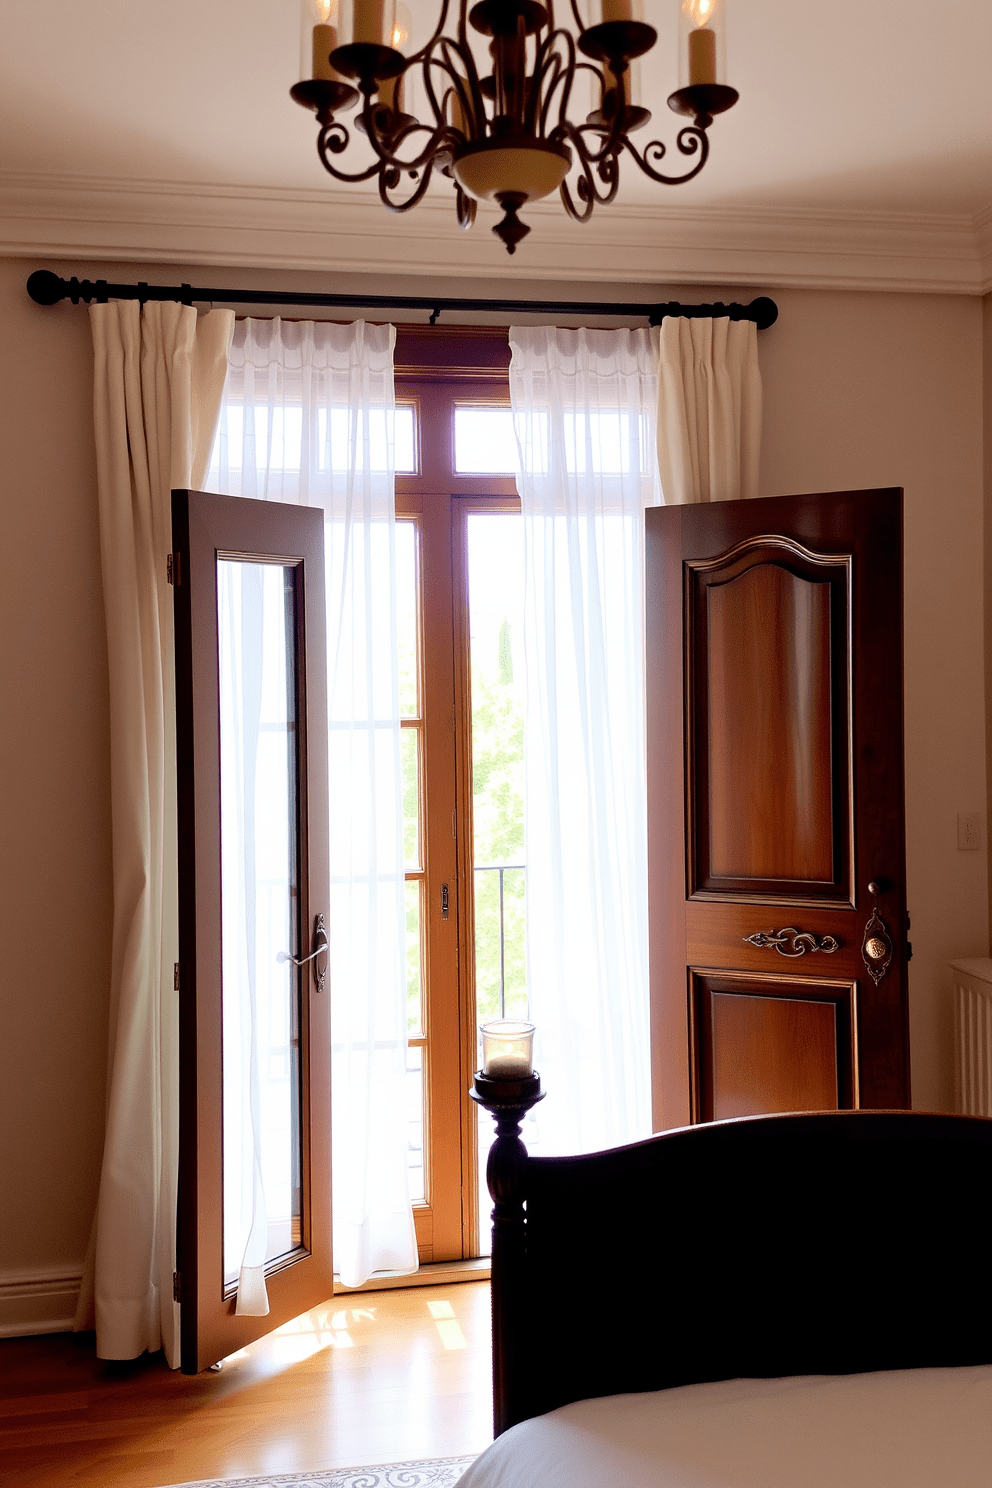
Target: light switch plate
{"type": "Point", "coordinates": [969, 831]}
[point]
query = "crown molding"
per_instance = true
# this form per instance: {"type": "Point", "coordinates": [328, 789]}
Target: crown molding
{"type": "Point", "coordinates": [272, 227]}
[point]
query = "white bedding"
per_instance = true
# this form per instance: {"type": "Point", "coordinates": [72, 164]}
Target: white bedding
{"type": "Point", "coordinates": [915, 1428]}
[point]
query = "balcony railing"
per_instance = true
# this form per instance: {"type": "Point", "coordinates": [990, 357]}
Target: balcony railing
{"type": "Point", "coordinates": [501, 869]}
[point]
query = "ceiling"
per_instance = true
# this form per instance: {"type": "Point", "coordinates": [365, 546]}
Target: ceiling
{"type": "Point", "coordinates": [860, 152]}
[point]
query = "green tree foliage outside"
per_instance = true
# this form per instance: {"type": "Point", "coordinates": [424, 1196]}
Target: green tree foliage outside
{"type": "Point", "coordinates": [498, 807]}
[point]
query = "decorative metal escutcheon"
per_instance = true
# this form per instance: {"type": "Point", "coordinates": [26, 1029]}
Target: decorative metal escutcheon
{"type": "Point", "coordinates": [792, 942]}
{"type": "Point", "coordinates": [876, 948]}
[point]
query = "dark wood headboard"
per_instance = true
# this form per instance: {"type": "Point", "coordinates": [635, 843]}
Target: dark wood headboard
{"type": "Point", "coordinates": [823, 1244]}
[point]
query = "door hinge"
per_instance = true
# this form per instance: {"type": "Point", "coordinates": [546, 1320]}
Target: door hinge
{"type": "Point", "coordinates": [175, 976]}
{"type": "Point", "coordinates": [445, 901]}
{"type": "Point", "coordinates": [177, 1287]}
{"type": "Point", "coordinates": [174, 569]}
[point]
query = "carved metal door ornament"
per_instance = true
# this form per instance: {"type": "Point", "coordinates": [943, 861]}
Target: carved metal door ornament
{"type": "Point", "coordinates": [792, 942]}
{"type": "Point", "coordinates": [876, 948]}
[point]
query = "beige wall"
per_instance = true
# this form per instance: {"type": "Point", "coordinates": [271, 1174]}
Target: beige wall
{"type": "Point", "coordinates": [55, 893]}
{"type": "Point", "coordinates": [886, 390]}
{"type": "Point", "coordinates": [860, 390]}
{"type": "Point", "coordinates": [987, 411]}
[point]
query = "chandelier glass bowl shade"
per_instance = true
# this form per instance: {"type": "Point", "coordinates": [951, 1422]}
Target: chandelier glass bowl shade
{"type": "Point", "coordinates": [502, 117]}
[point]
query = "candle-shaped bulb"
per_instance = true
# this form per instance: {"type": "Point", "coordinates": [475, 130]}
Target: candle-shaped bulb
{"type": "Point", "coordinates": [402, 26]}
{"type": "Point", "coordinates": [701, 60]}
{"type": "Point", "coordinates": [374, 21]}
{"type": "Point", "coordinates": [320, 37]}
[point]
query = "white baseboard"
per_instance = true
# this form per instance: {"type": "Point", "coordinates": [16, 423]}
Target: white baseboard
{"type": "Point", "coordinates": [38, 1301]}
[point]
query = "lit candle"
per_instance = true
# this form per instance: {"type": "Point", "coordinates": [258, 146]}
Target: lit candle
{"type": "Point", "coordinates": [374, 20]}
{"type": "Point", "coordinates": [508, 1049]}
{"type": "Point", "coordinates": [702, 57]}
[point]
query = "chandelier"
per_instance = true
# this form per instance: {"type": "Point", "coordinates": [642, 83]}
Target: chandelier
{"type": "Point", "coordinates": [505, 135]}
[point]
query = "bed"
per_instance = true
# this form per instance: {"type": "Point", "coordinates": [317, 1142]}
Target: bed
{"type": "Point", "coordinates": [775, 1301]}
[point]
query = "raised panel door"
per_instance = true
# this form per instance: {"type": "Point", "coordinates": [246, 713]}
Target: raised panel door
{"type": "Point", "coordinates": [775, 787]}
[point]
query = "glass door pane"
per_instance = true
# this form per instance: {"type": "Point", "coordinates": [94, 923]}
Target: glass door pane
{"type": "Point", "coordinates": [411, 750]}
{"type": "Point", "coordinates": [260, 995]}
{"type": "Point", "coordinates": [495, 614]}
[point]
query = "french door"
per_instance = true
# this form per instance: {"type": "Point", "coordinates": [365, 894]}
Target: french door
{"type": "Point", "coordinates": [254, 1238]}
{"type": "Point", "coordinates": [458, 520]}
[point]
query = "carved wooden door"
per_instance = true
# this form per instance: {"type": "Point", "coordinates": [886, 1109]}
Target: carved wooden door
{"type": "Point", "coordinates": [775, 806]}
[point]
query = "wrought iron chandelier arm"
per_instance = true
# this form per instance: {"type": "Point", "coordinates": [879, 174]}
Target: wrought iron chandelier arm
{"type": "Point", "coordinates": [613, 141]}
{"type": "Point", "coordinates": [385, 146]}
{"type": "Point", "coordinates": [550, 74]}
{"type": "Point", "coordinates": [586, 189]}
{"type": "Point", "coordinates": [689, 140]}
{"type": "Point", "coordinates": [465, 207]}
{"type": "Point", "coordinates": [333, 139]}
{"type": "Point", "coordinates": [472, 102]}
{"type": "Point", "coordinates": [607, 168]}
{"type": "Point", "coordinates": [437, 33]}
{"type": "Point", "coordinates": [389, 179]}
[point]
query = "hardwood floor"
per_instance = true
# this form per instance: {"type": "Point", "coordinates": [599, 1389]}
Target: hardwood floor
{"type": "Point", "coordinates": [368, 1377]}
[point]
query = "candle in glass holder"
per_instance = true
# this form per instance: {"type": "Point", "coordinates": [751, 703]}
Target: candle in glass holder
{"type": "Point", "coordinates": [702, 43]}
{"type": "Point", "coordinates": [319, 41]}
{"type": "Point", "coordinates": [508, 1049]}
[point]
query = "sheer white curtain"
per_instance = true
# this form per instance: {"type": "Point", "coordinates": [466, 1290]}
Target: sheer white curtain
{"type": "Point", "coordinates": [308, 418]}
{"type": "Point", "coordinates": [158, 376]}
{"type": "Point", "coordinates": [709, 409]}
{"type": "Point", "coordinates": [584, 408]}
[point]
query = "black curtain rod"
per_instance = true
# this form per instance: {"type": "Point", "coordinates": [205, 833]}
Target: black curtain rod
{"type": "Point", "coordinates": [46, 288]}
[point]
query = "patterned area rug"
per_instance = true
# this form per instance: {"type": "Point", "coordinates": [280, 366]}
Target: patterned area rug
{"type": "Point", "coordinates": [435, 1472]}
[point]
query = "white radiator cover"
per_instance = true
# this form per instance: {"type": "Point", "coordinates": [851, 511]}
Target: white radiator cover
{"type": "Point", "coordinates": [972, 984]}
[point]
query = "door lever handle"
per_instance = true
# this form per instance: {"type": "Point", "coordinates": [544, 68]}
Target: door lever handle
{"type": "Point", "coordinates": [320, 945]}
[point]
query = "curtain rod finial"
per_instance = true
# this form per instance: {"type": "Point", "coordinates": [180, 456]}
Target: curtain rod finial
{"type": "Point", "coordinates": [764, 312]}
{"type": "Point", "coordinates": [46, 288]}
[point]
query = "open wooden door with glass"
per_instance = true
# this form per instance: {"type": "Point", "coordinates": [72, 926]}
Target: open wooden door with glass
{"type": "Point", "coordinates": [254, 1233]}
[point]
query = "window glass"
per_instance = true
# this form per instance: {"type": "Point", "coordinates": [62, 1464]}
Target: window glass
{"type": "Point", "coordinates": [415, 1119]}
{"type": "Point", "coordinates": [406, 616]}
{"type": "Point", "coordinates": [275, 443]}
{"type": "Point", "coordinates": [484, 441]}
{"type": "Point", "coordinates": [404, 440]}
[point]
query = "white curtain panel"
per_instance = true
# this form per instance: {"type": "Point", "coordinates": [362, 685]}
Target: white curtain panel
{"type": "Point", "coordinates": [308, 418]}
{"type": "Point", "coordinates": [158, 377]}
{"type": "Point", "coordinates": [584, 409]}
{"type": "Point", "coordinates": [709, 409]}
